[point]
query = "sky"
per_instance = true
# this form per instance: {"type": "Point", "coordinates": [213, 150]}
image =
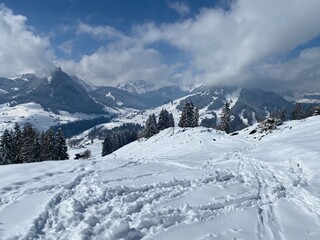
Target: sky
{"type": "Point", "coordinates": [262, 44]}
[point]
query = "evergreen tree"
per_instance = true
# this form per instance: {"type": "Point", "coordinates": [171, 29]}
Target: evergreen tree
{"type": "Point", "coordinates": [225, 118]}
{"type": "Point", "coordinates": [61, 148]}
{"type": "Point", "coordinates": [17, 138]}
{"type": "Point", "coordinates": [164, 120]}
{"type": "Point", "coordinates": [49, 146]}
{"type": "Point", "coordinates": [28, 149]}
{"type": "Point", "coordinates": [107, 147]}
{"type": "Point", "coordinates": [171, 120]}
{"type": "Point", "coordinates": [6, 147]}
{"type": "Point", "coordinates": [195, 122]}
{"type": "Point", "coordinates": [187, 118]}
{"type": "Point", "coordinates": [151, 126]}
{"type": "Point", "coordinates": [297, 112]}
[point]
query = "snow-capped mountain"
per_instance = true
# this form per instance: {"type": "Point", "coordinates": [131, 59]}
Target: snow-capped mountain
{"type": "Point", "coordinates": [119, 98]}
{"type": "Point", "coordinates": [56, 91]}
{"type": "Point", "coordinates": [60, 92]}
{"type": "Point", "coordinates": [180, 184]}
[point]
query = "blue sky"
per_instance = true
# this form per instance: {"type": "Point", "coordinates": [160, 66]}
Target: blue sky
{"type": "Point", "coordinates": [218, 42]}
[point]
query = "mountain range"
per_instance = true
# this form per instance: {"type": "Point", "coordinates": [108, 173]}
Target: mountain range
{"type": "Point", "coordinates": [60, 92]}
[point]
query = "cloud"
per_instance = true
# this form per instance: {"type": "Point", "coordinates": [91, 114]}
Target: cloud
{"type": "Point", "coordinates": [180, 7]}
{"type": "Point", "coordinates": [21, 51]}
{"type": "Point", "coordinates": [99, 32]}
{"type": "Point", "coordinates": [301, 72]}
{"type": "Point", "coordinates": [227, 47]}
{"type": "Point", "coordinates": [117, 64]}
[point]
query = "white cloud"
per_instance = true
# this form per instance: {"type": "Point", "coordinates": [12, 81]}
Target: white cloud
{"type": "Point", "coordinates": [117, 64]}
{"type": "Point", "coordinates": [21, 51]}
{"type": "Point", "coordinates": [99, 31]}
{"type": "Point", "coordinates": [301, 72]}
{"type": "Point", "coordinates": [225, 47]}
{"type": "Point", "coordinates": [180, 7]}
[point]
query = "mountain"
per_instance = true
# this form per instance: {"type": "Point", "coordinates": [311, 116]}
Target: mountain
{"type": "Point", "coordinates": [57, 91]}
{"type": "Point", "coordinates": [180, 184]}
{"type": "Point", "coordinates": [248, 106]}
{"type": "Point", "coordinates": [119, 98]}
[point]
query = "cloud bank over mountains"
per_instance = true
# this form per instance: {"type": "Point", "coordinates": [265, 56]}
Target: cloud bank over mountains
{"type": "Point", "coordinates": [252, 43]}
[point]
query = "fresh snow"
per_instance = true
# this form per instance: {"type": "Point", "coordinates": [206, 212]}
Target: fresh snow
{"type": "Point", "coordinates": [180, 184]}
{"type": "Point", "coordinates": [35, 114]}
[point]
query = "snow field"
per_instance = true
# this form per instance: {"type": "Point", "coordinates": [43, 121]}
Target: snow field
{"type": "Point", "coordinates": [181, 184]}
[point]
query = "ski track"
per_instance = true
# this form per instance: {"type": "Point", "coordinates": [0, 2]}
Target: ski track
{"type": "Point", "coordinates": [87, 207]}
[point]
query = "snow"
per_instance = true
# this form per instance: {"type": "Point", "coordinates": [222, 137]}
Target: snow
{"type": "Point", "coordinates": [180, 184]}
{"type": "Point", "coordinates": [243, 119]}
{"type": "Point", "coordinates": [109, 95]}
{"type": "Point", "coordinates": [35, 114]}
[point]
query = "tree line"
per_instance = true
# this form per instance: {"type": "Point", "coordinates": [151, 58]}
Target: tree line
{"type": "Point", "coordinates": [117, 137]}
{"type": "Point", "coordinates": [29, 145]}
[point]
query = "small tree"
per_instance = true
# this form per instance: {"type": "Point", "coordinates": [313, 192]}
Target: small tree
{"type": "Point", "coordinates": [225, 118]}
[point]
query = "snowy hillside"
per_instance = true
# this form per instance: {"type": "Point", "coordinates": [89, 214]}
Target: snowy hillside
{"type": "Point", "coordinates": [181, 184]}
{"type": "Point", "coordinates": [35, 114]}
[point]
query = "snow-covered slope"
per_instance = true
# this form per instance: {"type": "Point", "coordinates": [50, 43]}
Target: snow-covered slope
{"type": "Point", "coordinates": [181, 184]}
{"type": "Point", "coordinates": [35, 114]}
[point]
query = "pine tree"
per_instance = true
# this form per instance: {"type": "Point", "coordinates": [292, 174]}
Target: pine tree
{"type": "Point", "coordinates": [61, 148]}
{"type": "Point", "coordinates": [17, 138]}
{"type": "Point", "coordinates": [171, 120]}
{"type": "Point", "coordinates": [151, 126]}
{"type": "Point", "coordinates": [297, 112]}
{"type": "Point", "coordinates": [6, 147]}
{"type": "Point", "coordinates": [195, 120]}
{"type": "Point", "coordinates": [225, 118]}
{"type": "Point", "coordinates": [187, 118]}
{"type": "Point", "coordinates": [107, 147]}
{"type": "Point", "coordinates": [164, 120]}
{"type": "Point", "coordinates": [28, 149]}
{"type": "Point", "coordinates": [49, 146]}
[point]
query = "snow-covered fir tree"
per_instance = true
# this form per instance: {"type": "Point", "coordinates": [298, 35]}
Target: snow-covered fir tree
{"type": "Point", "coordinates": [61, 148]}
{"type": "Point", "coordinates": [17, 138]}
{"type": "Point", "coordinates": [150, 127]}
{"type": "Point", "coordinates": [28, 150]}
{"type": "Point", "coordinates": [195, 122]}
{"type": "Point", "coordinates": [164, 120]}
{"type": "Point", "coordinates": [49, 146]}
{"type": "Point", "coordinates": [225, 118]}
{"type": "Point", "coordinates": [6, 147]}
{"type": "Point", "coordinates": [188, 117]}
